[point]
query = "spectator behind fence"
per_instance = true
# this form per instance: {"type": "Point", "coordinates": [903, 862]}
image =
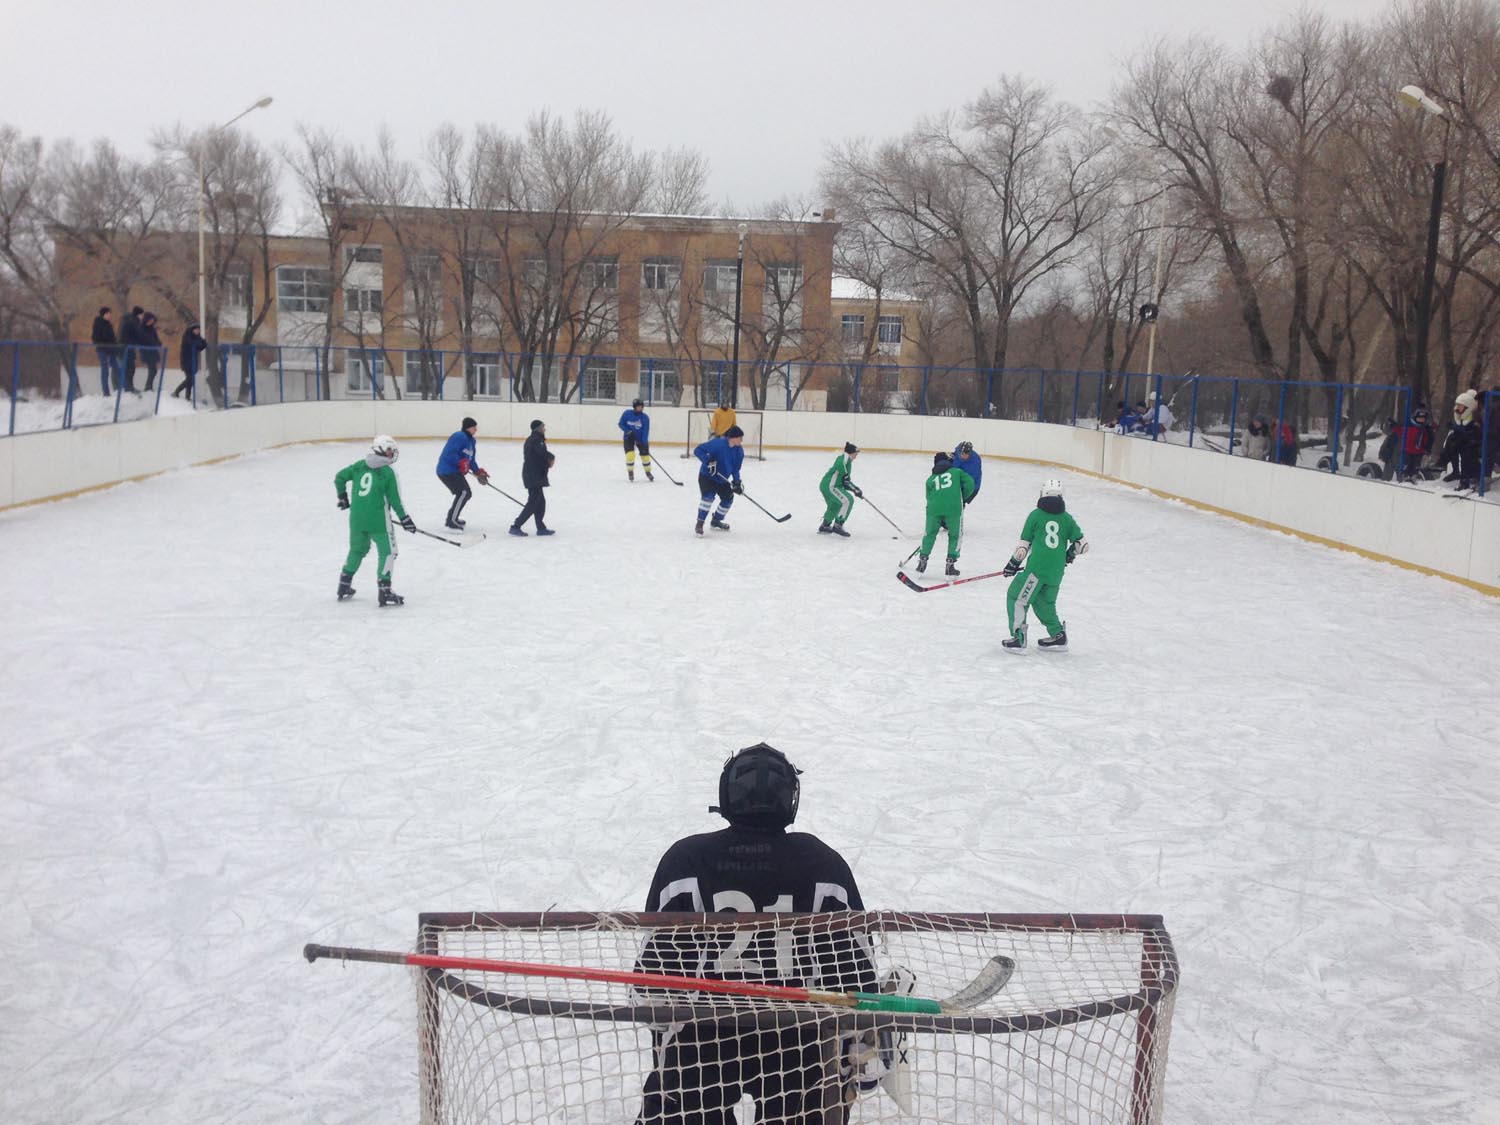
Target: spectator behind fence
{"type": "Point", "coordinates": [1129, 421]}
{"type": "Point", "coordinates": [1462, 444]}
{"type": "Point", "coordinates": [1405, 444]}
{"type": "Point", "coordinates": [1489, 435]}
{"type": "Point", "coordinates": [188, 352]}
{"type": "Point", "coordinates": [1158, 418]}
{"type": "Point", "coordinates": [1271, 442]}
{"type": "Point", "coordinates": [107, 349]}
{"type": "Point", "coordinates": [151, 341]}
{"type": "Point", "coordinates": [132, 339]}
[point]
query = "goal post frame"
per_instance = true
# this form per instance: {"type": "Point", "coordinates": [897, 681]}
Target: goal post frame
{"type": "Point", "coordinates": [754, 447]}
{"type": "Point", "coordinates": [1149, 1004]}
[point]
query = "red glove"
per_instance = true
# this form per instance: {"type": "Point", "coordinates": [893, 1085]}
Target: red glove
{"type": "Point", "coordinates": [484, 477]}
{"type": "Point", "coordinates": [463, 465]}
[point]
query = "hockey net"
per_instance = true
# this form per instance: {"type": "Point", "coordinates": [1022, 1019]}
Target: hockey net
{"type": "Point", "coordinates": [751, 421]}
{"type": "Point", "coordinates": [1078, 1033]}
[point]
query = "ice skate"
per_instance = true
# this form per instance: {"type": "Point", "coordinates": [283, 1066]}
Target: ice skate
{"type": "Point", "coordinates": [719, 523]}
{"type": "Point", "coordinates": [698, 528]}
{"type": "Point", "coordinates": [346, 589]}
{"type": "Point", "coordinates": [389, 596]}
{"type": "Point", "coordinates": [825, 528]}
{"type": "Point", "coordinates": [921, 564]}
{"type": "Point", "coordinates": [649, 477]}
{"type": "Point", "coordinates": [1058, 642]}
{"type": "Point", "coordinates": [838, 529]}
{"type": "Point", "coordinates": [630, 473]}
{"type": "Point", "coordinates": [1016, 642]}
{"type": "Point", "coordinates": [514, 530]}
{"type": "Point", "coordinates": [545, 531]}
{"type": "Point", "coordinates": [950, 570]}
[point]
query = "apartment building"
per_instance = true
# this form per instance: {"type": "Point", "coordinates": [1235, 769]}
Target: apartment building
{"type": "Point", "coordinates": [500, 304]}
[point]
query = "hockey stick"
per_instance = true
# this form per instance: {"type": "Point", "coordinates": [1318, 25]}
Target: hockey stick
{"type": "Point", "coordinates": [455, 542]}
{"type": "Point", "coordinates": [887, 519]}
{"type": "Point", "coordinates": [991, 979]}
{"type": "Point", "coordinates": [910, 585]}
{"type": "Point", "coordinates": [747, 496]}
{"type": "Point", "coordinates": [502, 492]}
{"type": "Point", "coordinates": [657, 464]}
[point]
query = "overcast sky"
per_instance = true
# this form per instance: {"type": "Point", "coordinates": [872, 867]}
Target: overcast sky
{"type": "Point", "coordinates": [759, 86]}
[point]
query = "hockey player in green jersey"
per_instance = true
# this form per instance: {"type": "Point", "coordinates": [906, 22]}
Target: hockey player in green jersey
{"type": "Point", "coordinates": [839, 492]}
{"type": "Point", "coordinates": [1050, 540]}
{"type": "Point", "coordinates": [947, 490]}
{"type": "Point", "coordinates": [375, 487]}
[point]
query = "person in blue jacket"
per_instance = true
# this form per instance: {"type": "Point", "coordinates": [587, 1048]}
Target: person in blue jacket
{"type": "Point", "coordinates": [966, 459]}
{"type": "Point", "coordinates": [720, 459]}
{"type": "Point", "coordinates": [635, 424]}
{"type": "Point", "coordinates": [455, 463]}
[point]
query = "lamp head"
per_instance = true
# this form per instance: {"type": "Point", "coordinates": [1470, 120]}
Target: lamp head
{"type": "Point", "coordinates": [1417, 98]}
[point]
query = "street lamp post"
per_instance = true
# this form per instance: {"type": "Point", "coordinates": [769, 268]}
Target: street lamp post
{"type": "Point", "coordinates": [202, 200]}
{"type": "Point", "coordinates": [739, 278]}
{"type": "Point", "coordinates": [1415, 97]}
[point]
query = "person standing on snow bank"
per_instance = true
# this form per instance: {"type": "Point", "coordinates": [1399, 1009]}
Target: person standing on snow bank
{"type": "Point", "coordinates": [375, 488]}
{"type": "Point", "coordinates": [455, 463]}
{"type": "Point", "coordinates": [1050, 539]}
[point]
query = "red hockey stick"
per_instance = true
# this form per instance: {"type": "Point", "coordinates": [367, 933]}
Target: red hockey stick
{"type": "Point", "coordinates": [991, 979]}
{"type": "Point", "coordinates": [919, 588]}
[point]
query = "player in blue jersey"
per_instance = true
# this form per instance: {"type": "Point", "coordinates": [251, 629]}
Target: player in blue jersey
{"type": "Point", "coordinates": [455, 463]}
{"type": "Point", "coordinates": [635, 424]}
{"type": "Point", "coordinates": [966, 459]}
{"type": "Point", "coordinates": [719, 462]}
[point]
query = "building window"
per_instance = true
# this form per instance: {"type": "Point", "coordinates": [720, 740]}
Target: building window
{"type": "Point", "coordinates": [488, 373]}
{"type": "Point", "coordinates": [303, 289]}
{"type": "Point", "coordinates": [360, 300]}
{"type": "Point", "coordinates": [371, 255]}
{"type": "Point", "coordinates": [601, 273]}
{"type": "Point", "coordinates": [889, 329]}
{"type": "Point", "coordinates": [661, 274]}
{"type": "Point", "coordinates": [853, 328]}
{"type": "Point", "coordinates": [784, 294]}
{"type": "Point", "coordinates": [718, 279]}
{"type": "Point", "coordinates": [364, 370]}
{"type": "Point", "coordinates": [889, 379]}
{"type": "Point", "coordinates": [598, 380]}
{"type": "Point", "coordinates": [417, 364]}
{"type": "Point", "coordinates": [660, 383]}
{"type": "Point", "coordinates": [239, 288]}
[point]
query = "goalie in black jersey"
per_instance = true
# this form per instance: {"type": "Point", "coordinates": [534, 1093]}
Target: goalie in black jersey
{"type": "Point", "coordinates": [792, 1064]}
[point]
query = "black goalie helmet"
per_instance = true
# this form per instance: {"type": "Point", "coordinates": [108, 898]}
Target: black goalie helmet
{"type": "Point", "coordinates": [758, 788]}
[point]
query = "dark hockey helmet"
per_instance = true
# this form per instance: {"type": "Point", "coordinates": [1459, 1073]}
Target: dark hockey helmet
{"type": "Point", "coordinates": [966, 447]}
{"type": "Point", "coordinates": [941, 461]}
{"type": "Point", "coordinates": [758, 788]}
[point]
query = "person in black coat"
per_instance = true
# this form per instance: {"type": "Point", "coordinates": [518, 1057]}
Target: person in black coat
{"type": "Point", "coordinates": [132, 338]}
{"type": "Point", "coordinates": [535, 461]}
{"type": "Point", "coordinates": [107, 348]}
{"type": "Point", "coordinates": [188, 351]}
{"type": "Point", "coordinates": [151, 342]}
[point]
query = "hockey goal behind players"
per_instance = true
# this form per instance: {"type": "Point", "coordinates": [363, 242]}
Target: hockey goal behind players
{"type": "Point", "coordinates": [751, 421]}
{"type": "Point", "coordinates": [1077, 1033]}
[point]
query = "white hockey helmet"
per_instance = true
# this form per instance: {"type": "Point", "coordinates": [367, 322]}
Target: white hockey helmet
{"type": "Point", "coordinates": [385, 449]}
{"type": "Point", "coordinates": [1052, 487]}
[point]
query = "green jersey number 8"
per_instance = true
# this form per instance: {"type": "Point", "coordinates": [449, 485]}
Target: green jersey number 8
{"type": "Point", "coordinates": [366, 479]}
{"type": "Point", "coordinates": [1052, 539]}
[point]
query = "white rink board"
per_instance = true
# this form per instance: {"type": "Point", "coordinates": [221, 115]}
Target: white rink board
{"type": "Point", "coordinates": [208, 762]}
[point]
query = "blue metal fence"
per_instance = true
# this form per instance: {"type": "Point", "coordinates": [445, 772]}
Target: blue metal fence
{"type": "Point", "coordinates": [1326, 426]}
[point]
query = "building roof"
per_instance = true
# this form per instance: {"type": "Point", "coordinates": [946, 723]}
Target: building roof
{"type": "Point", "coordinates": [850, 289]}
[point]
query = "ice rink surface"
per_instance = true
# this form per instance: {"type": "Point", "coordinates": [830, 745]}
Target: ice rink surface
{"type": "Point", "coordinates": [1286, 750]}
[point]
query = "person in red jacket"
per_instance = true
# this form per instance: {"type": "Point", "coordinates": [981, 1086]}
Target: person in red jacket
{"type": "Point", "coordinates": [1407, 444]}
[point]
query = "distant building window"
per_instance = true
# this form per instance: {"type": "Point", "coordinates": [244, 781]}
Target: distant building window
{"type": "Point", "coordinates": [598, 381]}
{"type": "Point", "coordinates": [661, 274]}
{"type": "Point", "coordinates": [303, 289]}
{"type": "Point", "coordinates": [359, 300]}
{"type": "Point", "coordinates": [601, 273]}
{"type": "Point", "coordinates": [423, 367]}
{"type": "Point", "coordinates": [889, 379]}
{"type": "Point", "coordinates": [718, 278]}
{"type": "Point", "coordinates": [238, 290]}
{"type": "Point", "coordinates": [853, 328]}
{"type": "Point", "coordinates": [660, 383]}
{"type": "Point", "coordinates": [889, 329]}
{"type": "Point", "coordinates": [362, 369]}
{"type": "Point", "coordinates": [487, 372]}
{"type": "Point", "coordinates": [369, 254]}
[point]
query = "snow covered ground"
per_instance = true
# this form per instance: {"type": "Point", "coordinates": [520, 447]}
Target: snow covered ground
{"type": "Point", "coordinates": [1286, 750]}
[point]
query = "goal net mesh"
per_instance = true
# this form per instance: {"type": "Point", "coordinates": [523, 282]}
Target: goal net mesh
{"type": "Point", "coordinates": [751, 421]}
{"type": "Point", "coordinates": [1078, 1033]}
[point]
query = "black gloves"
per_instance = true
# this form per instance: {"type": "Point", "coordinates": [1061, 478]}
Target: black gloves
{"type": "Point", "coordinates": [737, 487]}
{"type": "Point", "coordinates": [1011, 568]}
{"type": "Point", "coordinates": [408, 524]}
{"type": "Point", "coordinates": [343, 500]}
{"type": "Point", "coordinates": [854, 488]}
